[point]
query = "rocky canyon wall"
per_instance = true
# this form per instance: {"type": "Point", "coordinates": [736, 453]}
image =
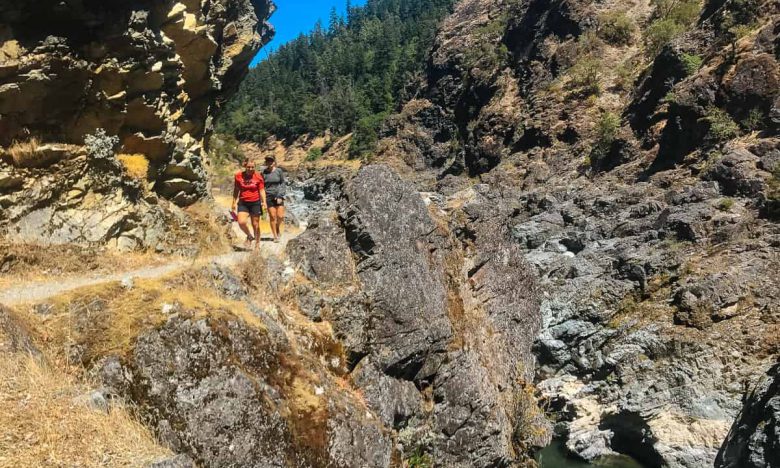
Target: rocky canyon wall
{"type": "Point", "coordinates": [640, 184]}
{"type": "Point", "coordinates": [152, 75]}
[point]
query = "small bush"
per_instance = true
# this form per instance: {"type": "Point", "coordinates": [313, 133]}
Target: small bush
{"type": "Point", "coordinates": [100, 145]}
{"type": "Point", "coordinates": [136, 165]}
{"type": "Point", "coordinates": [684, 12]}
{"type": "Point", "coordinates": [586, 75]}
{"type": "Point", "coordinates": [660, 33]}
{"type": "Point", "coordinates": [365, 136]}
{"type": "Point", "coordinates": [314, 154]}
{"type": "Point", "coordinates": [673, 17]}
{"type": "Point", "coordinates": [722, 127]}
{"type": "Point", "coordinates": [607, 129]}
{"type": "Point", "coordinates": [616, 27]}
{"type": "Point", "coordinates": [488, 52]}
{"type": "Point", "coordinates": [691, 63]}
{"type": "Point", "coordinates": [606, 132]}
{"type": "Point", "coordinates": [419, 459]}
{"type": "Point", "coordinates": [754, 120]}
{"type": "Point", "coordinates": [725, 204]}
{"type": "Point", "coordinates": [625, 75]}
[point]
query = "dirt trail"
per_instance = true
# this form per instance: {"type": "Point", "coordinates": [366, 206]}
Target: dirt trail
{"type": "Point", "coordinates": [36, 291]}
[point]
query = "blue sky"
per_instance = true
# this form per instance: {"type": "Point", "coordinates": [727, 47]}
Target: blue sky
{"type": "Point", "coordinates": [293, 17]}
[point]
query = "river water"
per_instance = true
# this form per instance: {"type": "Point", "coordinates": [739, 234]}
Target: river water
{"type": "Point", "coordinates": [556, 456]}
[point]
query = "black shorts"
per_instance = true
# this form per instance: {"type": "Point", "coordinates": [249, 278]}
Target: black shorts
{"type": "Point", "coordinates": [253, 208]}
{"type": "Point", "coordinates": [274, 202]}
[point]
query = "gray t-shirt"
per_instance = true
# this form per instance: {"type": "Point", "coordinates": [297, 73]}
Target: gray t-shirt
{"type": "Point", "coordinates": [275, 184]}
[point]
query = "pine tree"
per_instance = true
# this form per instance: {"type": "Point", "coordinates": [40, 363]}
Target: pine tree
{"type": "Point", "coordinates": [343, 79]}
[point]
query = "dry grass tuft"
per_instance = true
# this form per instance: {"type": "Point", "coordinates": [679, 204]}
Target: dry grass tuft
{"type": "Point", "coordinates": [107, 319]}
{"type": "Point", "coordinates": [43, 426]}
{"type": "Point", "coordinates": [136, 165]}
{"type": "Point", "coordinates": [206, 230]}
{"type": "Point", "coordinates": [25, 153]}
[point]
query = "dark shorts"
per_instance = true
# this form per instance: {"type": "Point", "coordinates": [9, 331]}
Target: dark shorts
{"type": "Point", "coordinates": [253, 208]}
{"type": "Point", "coordinates": [274, 202]}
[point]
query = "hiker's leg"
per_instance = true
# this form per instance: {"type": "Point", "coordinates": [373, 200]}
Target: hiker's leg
{"type": "Point", "coordinates": [272, 214]}
{"type": "Point", "coordinates": [243, 223]}
{"type": "Point", "coordinates": [256, 227]}
{"type": "Point", "coordinates": [279, 220]}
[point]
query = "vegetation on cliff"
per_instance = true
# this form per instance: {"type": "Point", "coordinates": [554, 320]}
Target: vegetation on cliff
{"type": "Point", "coordinates": [340, 78]}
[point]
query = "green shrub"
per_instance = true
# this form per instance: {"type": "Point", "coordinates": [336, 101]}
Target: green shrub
{"type": "Point", "coordinates": [722, 127]}
{"type": "Point", "coordinates": [606, 132]}
{"type": "Point", "coordinates": [725, 204]}
{"type": "Point", "coordinates": [419, 459]}
{"type": "Point", "coordinates": [488, 51]}
{"type": "Point", "coordinates": [680, 11]}
{"type": "Point", "coordinates": [660, 33]}
{"type": "Point", "coordinates": [365, 136]}
{"type": "Point", "coordinates": [607, 129]}
{"type": "Point", "coordinates": [616, 27]}
{"type": "Point", "coordinates": [673, 17]}
{"type": "Point", "coordinates": [691, 63]}
{"type": "Point", "coordinates": [586, 75]}
{"type": "Point", "coordinates": [314, 154]}
{"type": "Point", "coordinates": [625, 75]}
{"type": "Point", "coordinates": [754, 120]}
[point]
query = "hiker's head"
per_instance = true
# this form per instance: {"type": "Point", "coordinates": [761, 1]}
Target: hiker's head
{"type": "Point", "coordinates": [270, 161]}
{"type": "Point", "coordinates": [249, 165]}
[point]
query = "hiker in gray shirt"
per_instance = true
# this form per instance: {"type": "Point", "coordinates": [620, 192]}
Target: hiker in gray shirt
{"type": "Point", "coordinates": [275, 189]}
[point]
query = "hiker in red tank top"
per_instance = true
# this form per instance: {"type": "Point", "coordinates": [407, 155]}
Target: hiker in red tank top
{"type": "Point", "coordinates": [249, 201]}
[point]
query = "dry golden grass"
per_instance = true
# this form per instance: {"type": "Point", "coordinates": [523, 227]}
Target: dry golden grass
{"type": "Point", "coordinates": [136, 165]}
{"type": "Point", "coordinates": [31, 262]}
{"type": "Point", "coordinates": [107, 319]}
{"type": "Point", "coordinates": [24, 153]}
{"type": "Point", "coordinates": [41, 425]}
{"type": "Point", "coordinates": [205, 231]}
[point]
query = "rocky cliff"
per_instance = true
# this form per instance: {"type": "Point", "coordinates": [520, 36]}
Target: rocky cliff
{"type": "Point", "coordinates": [437, 312]}
{"type": "Point", "coordinates": [754, 439]}
{"type": "Point", "coordinates": [389, 338]}
{"type": "Point", "coordinates": [640, 182]}
{"type": "Point", "coordinates": [104, 107]}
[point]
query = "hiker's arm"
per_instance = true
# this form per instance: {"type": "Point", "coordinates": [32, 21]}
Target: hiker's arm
{"type": "Point", "coordinates": [262, 197]}
{"type": "Point", "coordinates": [235, 197]}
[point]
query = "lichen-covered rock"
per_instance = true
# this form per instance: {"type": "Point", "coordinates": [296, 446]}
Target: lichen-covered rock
{"type": "Point", "coordinates": [152, 74]}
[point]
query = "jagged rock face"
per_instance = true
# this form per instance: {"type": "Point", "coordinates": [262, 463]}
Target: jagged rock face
{"type": "Point", "coordinates": [754, 440]}
{"type": "Point", "coordinates": [152, 74]}
{"type": "Point", "coordinates": [658, 307]}
{"type": "Point", "coordinates": [438, 325]}
{"type": "Point", "coordinates": [220, 378]}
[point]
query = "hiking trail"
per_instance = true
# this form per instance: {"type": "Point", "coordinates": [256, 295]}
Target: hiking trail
{"type": "Point", "coordinates": [37, 291]}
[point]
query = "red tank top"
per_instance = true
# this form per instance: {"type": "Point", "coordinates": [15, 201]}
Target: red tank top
{"type": "Point", "coordinates": [249, 186]}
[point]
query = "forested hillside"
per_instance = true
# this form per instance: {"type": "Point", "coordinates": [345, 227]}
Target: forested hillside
{"type": "Point", "coordinates": [343, 78]}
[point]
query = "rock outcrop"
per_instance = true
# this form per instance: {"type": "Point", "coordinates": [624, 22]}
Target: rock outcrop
{"type": "Point", "coordinates": [437, 317]}
{"type": "Point", "coordinates": [643, 191]}
{"type": "Point", "coordinates": [222, 371]}
{"type": "Point", "coordinates": [146, 77]}
{"type": "Point", "coordinates": [754, 440]}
